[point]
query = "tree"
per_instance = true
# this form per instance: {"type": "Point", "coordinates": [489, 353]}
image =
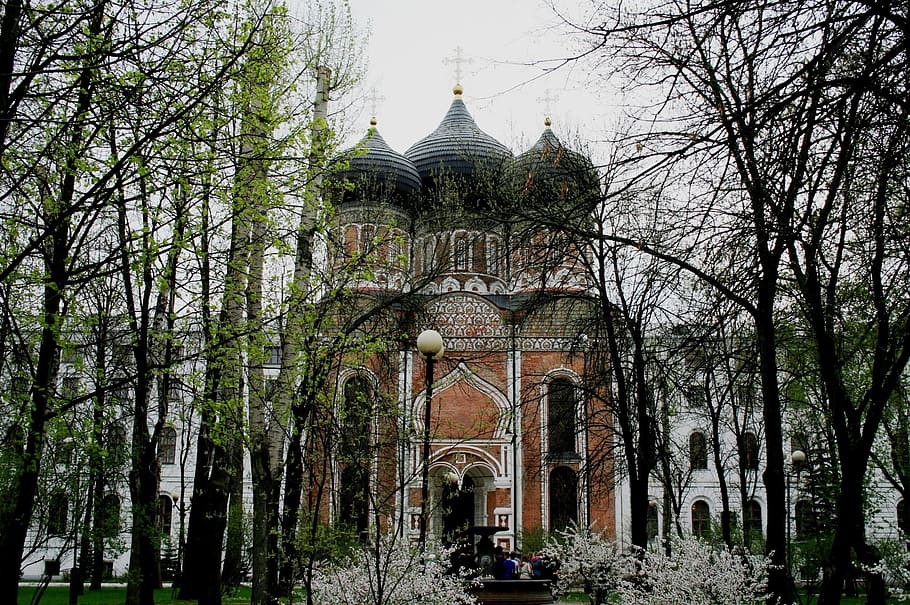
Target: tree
{"type": "Point", "coordinates": [767, 107]}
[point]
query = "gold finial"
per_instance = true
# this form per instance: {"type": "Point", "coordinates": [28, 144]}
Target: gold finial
{"type": "Point", "coordinates": [457, 90]}
{"type": "Point", "coordinates": [373, 122]}
{"type": "Point", "coordinates": [547, 122]}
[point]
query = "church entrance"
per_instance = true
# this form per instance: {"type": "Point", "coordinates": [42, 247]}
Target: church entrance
{"type": "Point", "coordinates": [457, 511]}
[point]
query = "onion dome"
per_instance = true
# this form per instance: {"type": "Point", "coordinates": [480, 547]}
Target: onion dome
{"type": "Point", "coordinates": [457, 146]}
{"type": "Point", "coordinates": [549, 171]}
{"type": "Point", "coordinates": [378, 172]}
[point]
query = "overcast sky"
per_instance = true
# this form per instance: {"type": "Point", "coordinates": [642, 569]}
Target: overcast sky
{"type": "Point", "coordinates": [411, 41]}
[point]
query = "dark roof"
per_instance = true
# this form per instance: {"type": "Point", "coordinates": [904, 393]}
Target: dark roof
{"type": "Point", "coordinates": [550, 164]}
{"type": "Point", "coordinates": [457, 146]}
{"type": "Point", "coordinates": [372, 161]}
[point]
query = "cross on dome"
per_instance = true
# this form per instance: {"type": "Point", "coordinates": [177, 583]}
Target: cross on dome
{"type": "Point", "coordinates": [459, 60]}
{"type": "Point", "coordinates": [549, 97]}
{"type": "Point", "coordinates": [374, 98]}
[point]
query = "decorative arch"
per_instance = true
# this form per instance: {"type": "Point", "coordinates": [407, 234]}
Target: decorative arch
{"type": "Point", "coordinates": [461, 373]}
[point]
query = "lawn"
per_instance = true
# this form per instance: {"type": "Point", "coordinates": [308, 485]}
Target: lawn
{"type": "Point", "coordinates": [115, 595]}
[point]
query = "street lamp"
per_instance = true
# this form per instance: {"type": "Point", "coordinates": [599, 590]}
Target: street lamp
{"type": "Point", "coordinates": [432, 348]}
{"type": "Point", "coordinates": [797, 458]}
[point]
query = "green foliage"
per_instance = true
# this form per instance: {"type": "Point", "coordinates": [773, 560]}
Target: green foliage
{"type": "Point", "coordinates": [328, 543]}
{"type": "Point", "coordinates": [533, 539]}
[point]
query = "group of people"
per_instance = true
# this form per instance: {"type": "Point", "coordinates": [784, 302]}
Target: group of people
{"type": "Point", "coordinates": [513, 566]}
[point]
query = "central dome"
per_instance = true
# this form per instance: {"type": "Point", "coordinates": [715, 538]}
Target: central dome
{"type": "Point", "coordinates": [457, 147]}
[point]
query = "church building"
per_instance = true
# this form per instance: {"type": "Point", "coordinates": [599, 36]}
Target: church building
{"type": "Point", "coordinates": [451, 226]}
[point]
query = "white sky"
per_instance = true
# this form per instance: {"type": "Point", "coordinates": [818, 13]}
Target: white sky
{"type": "Point", "coordinates": [411, 39]}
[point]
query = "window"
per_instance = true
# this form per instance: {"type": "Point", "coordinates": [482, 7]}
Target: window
{"type": "Point", "coordinates": [367, 237]}
{"type": "Point", "coordinates": [902, 518]}
{"type": "Point", "coordinates": [748, 453]}
{"type": "Point", "coordinates": [63, 451]}
{"type": "Point", "coordinates": [174, 390]}
{"type": "Point", "coordinates": [428, 259]}
{"type": "Point", "coordinates": [698, 451]}
{"type": "Point", "coordinates": [165, 515]}
{"type": "Point", "coordinates": [354, 453]}
{"type": "Point", "coordinates": [109, 515]}
{"type": "Point", "coordinates": [273, 356]}
{"type": "Point", "coordinates": [461, 255]}
{"type": "Point", "coordinates": [493, 257]}
{"type": "Point", "coordinates": [805, 519]}
{"type": "Point", "coordinates": [701, 519]}
{"type": "Point", "coordinates": [57, 513]}
{"type": "Point", "coordinates": [116, 439]}
{"type": "Point", "coordinates": [561, 417]}
{"type": "Point", "coordinates": [563, 498]}
{"type": "Point", "coordinates": [167, 445]}
{"type": "Point", "coordinates": [652, 521]}
{"type": "Point", "coordinates": [70, 387]}
{"type": "Point", "coordinates": [752, 521]}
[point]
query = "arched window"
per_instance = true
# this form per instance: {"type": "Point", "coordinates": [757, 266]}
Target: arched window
{"type": "Point", "coordinates": [167, 445]}
{"type": "Point", "coordinates": [354, 453]}
{"type": "Point", "coordinates": [493, 257]}
{"type": "Point", "coordinates": [653, 521]}
{"type": "Point", "coordinates": [698, 451]}
{"type": "Point", "coordinates": [752, 521]}
{"type": "Point", "coordinates": [561, 418]}
{"type": "Point", "coordinates": [563, 498]}
{"type": "Point", "coordinates": [902, 523]}
{"type": "Point", "coordinates": [57, 514]}
{"type": "Point", "coordinates": [748, 453]}
{"type": "Point", "coordinates": [461, 255]}
{"type": "Point", "coordinates": [367, 237]}
{"type": "Point", "coordinates": [701, 519]}
{"type": "Point", "coordinates": [165, 515]}
{"type": "Point", "coordinates": [109, 516]}
{"type": "Point", "coordinates": [428, 252]}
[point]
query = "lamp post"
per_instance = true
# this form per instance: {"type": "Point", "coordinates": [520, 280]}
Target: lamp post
{"type": "Point", "coordinates": [797, 458]}
{"type": "Point", "coordinates": [432, 348]}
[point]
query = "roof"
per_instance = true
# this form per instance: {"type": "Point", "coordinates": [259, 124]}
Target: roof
{"type": "Point", "coordinates": [457, 146]}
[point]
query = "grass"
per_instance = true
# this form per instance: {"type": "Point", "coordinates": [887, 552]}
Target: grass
{"type": "Point", "coordinates": [115, 595]}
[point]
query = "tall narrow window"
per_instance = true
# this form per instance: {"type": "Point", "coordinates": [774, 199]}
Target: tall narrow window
{"type": "Point", "coordinates": [748, 454]}
{"type": "Point", "coordinates": [165, 515]}
{"type": "Point", "coordinates": [805, 519]}
{"type": "Point", "coordinates": [109, 515]}
{"type": "Point", "coordinates": [493, 257]}
{"type": "Point", "coordinates": [354, 454]}
{"type": "Point", "coordinates": [561, 418]}
{"type": "Point", "coordinates": [653, 521]}
{"type": "Point", "coordinates": [752, 521]}
{"type": "Point", "coordinates": [563, 498]}
{"type": "Point", "coordinates": [57, 514]}
{"type": "Point", "coordinates": [701, 519]}
{"type": "Point", "coordinates": [461, 255]}
{"type": "Point", "coordinates": [902, 523]}
{"type": "Point", "coordinates": [698, 451]}
{"type": "Point", "coordinates": [167, 445]}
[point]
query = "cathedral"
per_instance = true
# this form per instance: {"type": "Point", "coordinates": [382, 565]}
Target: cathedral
{"type": "Point", "coordinates": [451, 222]}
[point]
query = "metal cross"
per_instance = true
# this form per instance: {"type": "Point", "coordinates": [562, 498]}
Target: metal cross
{"type": "Point", "coordinates": [374, 98]}
{"type": "Point", "coordinates": [547, 99]}
{"type": "Point", "coordinates": [458, 60]}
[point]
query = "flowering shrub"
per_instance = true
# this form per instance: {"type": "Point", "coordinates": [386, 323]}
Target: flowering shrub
{"type": "Point", "coordinates": [390, 573]}
{"type": "Point", "coordinates": [696, 573]}
{"type": "Point", "coordinates": [585, 559]}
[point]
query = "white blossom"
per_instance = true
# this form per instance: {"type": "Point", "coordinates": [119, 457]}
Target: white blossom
{"type": "Point", "coordinates": [390, 573]}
